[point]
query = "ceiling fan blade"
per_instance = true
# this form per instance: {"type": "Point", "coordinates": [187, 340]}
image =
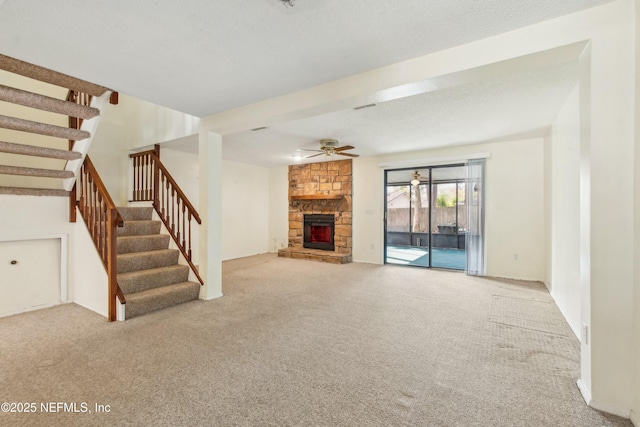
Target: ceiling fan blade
{"type": "Point", "coordinates": [315, 155]}
{"type": "Point", "coordinates": [348, 154]}
{"type": "Point", "coordinates": [308, 149]}
{"type": "Point", "coordinates": [344, 147]}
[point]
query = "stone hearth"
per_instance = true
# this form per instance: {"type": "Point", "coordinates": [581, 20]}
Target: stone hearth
{"type": "Point", "coordinates": [320, 188]}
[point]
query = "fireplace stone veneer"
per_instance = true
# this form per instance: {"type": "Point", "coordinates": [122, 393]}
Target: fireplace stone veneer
{"type": "Point", "coordinates": [320, 189]}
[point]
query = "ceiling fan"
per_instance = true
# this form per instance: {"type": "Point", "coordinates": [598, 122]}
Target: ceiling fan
{"type": "Point", "coordinates": [416, 178]}
{"type": "Point", "coordinates": [331, 147]}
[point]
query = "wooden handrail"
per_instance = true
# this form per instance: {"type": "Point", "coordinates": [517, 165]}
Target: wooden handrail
{"type": "Point", "coordinates": [102, 218]}
{"type": "Point", "coordinates": [155, 158]}
{"type": "Point", "coordinates": [153, 182]}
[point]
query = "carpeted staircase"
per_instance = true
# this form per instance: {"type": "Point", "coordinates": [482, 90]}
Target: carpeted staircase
{"type": "Point", "coordinates": [148, 271]}
{"type": "Point", "coordinates": [47, 159]}
{"type": "Point", "coordinates": [36, 143]}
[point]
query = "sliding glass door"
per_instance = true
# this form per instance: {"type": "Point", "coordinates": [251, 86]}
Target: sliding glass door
{"type": "Point", "coordinates": [407, 223]}
{"type": "Point", "coordinates": [426, 216]}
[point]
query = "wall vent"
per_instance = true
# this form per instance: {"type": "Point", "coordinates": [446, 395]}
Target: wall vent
{"type": "Point", "coordinates": [362, 107]}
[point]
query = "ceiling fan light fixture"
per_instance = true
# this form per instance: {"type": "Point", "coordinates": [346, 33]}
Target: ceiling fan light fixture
{"type": "Point", "coordinates": [416, 179]}
{"type": "Point", "coordinates": [329, 147]}
{"type": "Point", "coordinates": [329, 143]}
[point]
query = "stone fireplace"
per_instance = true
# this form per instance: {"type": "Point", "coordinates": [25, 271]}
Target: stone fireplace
{"type": "Point", "coordinates": [317, 193]}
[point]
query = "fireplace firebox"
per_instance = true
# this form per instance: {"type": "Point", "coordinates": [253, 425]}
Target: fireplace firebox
{"type": "Point", "coordinates": [318, 232]}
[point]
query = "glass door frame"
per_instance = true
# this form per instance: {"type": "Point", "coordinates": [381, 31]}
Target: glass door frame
{"type": "Point", "coordinates": [430, 188]}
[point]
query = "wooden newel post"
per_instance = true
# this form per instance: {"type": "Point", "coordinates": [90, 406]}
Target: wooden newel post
{"type": "Point", "coordinates": [112, 270]}
{"type": "Point", "coordinates": [156, 177]}
{"type": "Point", "coordinates": [72, 202]}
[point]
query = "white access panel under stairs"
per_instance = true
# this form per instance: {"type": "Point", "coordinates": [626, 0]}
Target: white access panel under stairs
{"type": "Point", "coordinates": [29, 275]}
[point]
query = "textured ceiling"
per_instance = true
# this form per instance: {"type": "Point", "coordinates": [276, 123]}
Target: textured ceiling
{"type": "Point", "coordinates": [517, 105]}
{"type": "Point", "coordinates": [203, 56]}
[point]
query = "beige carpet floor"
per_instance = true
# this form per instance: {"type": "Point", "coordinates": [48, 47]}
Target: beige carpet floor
{"type": "Point", "coordinates": [303, 343]}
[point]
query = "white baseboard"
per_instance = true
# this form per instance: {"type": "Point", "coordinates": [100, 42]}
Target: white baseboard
{"type": "Point", "coordinates": [586, 393]}
{"type": "Point", "coordinates": [213, 297]}
{"type": "Point", "coordinates": [29, 309]}
{"type": "Point", "coordinates": [635, 418]}
{"type": "Point", "coordinates": [90, 308]}
{"type": "Point", "coordinates": [120, 311]}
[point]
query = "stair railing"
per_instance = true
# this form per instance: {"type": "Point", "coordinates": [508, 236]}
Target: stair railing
{"type": "Point", "coordinates": [102, 218]}
{"type": "Point", "coordinates": [75, 123]}
{"type": "Point", "coordinates": [152, 182]}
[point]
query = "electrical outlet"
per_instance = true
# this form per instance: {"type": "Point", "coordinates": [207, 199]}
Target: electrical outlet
{"type": "Point", "coordinates": [373, 246]}
{"type": "Point", "coordinates": [515, 257]}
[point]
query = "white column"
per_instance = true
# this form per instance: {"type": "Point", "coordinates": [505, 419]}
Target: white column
{"type": "Point", "coordinates": [608, 191]}
{"type": "Point", "coordinates": [210, 164]}
{"type": "Point", "coordinates": [635, 408]}
{"type": "Point", "coordinates": [584, 383]}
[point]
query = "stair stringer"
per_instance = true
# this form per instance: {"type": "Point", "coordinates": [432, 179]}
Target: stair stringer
{"type": "Point", "coordinates": [82, 146]}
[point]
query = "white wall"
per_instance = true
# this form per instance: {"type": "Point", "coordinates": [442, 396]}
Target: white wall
{"type": "Point", "coordinates": [514, 214]}
{"type": "Point", "coordinates": [130, 125]}
{"type": "Point", "coordinates": [246, 203]}
{"type": "Point", "coordinates": [562, 166]}
{"type": "Point", "coordinates": [91, 286]}
{"type": "Point", "coordinates": [245, 210]}
{"type": "Point", "coordinates": [183, 167]}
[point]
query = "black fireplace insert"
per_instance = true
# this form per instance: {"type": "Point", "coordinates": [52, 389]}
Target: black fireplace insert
{"type": "Point", "coordinates": [318, 231]}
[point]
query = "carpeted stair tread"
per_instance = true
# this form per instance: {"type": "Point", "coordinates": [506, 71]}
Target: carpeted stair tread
{"type": "Point", "coordinates": [23, 125]}
{"type": "Point", "coordinates": [36, 72]}
{"type": "Point", "coordinates": [44, 173]}
{"type": "Point", "coordinates": [158, 298]}
{"type": "Point", "coordinates": [145, 260]}
{"type": "Point", "coordinates": [142, 280]}
{"type": "Point", "coordinates": [139, 228]}
{"type": "Point", "coordinates": [32, 150]}
{"type": "Point", "coordinates": [152, 242]}
{"type": "Point", "coordinates": [136, 213]}
{"type": "Point", "coordinates": [46, 103]}
{"type": "Point", "coordinates": [21, 191]}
